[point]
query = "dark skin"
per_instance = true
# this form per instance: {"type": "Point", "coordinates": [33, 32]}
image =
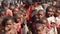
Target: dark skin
{"type": "Point", "coordinates": [9, 25]}
{"type": "Point", "coordinates": [51, 12]}
{"type": "Point", "coordinates": [39, 30]}
{"type": "Point", "coordinates": [9, 28]}
{"type": "Point", "coordinates": [58, 12]}
{"type": "Point", "coordinates": [41, 14]}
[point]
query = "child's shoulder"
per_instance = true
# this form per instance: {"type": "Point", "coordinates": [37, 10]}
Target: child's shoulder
{"type": "Point", "coordinates": [57, 18]}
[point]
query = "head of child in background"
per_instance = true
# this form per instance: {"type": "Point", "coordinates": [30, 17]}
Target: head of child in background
{"type": "Point", "coordinates": [12, 6]}
{"type": "Point", "coordinates": [5, 5]}
{"type": "Point", "coordinates": [41, 13]}
{"type": "Point", "coordinates": [43, 21]}
{"type": "Point", "coordinates": [50, 11]}
{"type": "Point", "coordinates": [40, 29]}
{"type": "Point", "coordinates": [17, 5]}
{"type": "Point", "coordinates": [58, 12]}
{"type": "Point", "coordinates": [19, 18]}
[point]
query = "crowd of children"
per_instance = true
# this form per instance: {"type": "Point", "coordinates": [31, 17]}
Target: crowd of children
{"type": "Point", "coordinates": [27, 18]}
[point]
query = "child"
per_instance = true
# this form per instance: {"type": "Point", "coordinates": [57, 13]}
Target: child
{"type": "Point", "coordinates": [45, 22]}
{"type": "Point", "coordinates": [50, 13]}
{"type": "Point", "coordinates": [17, 5]}
{"type": "Point", "coordinates": [41, 29]}
{"type": "Point", "coordinates": [51, 20]}
{"type": "Point", "coordinates": [58, 20]}
{"type": "Point", "coordinates": [8, 25]}
{"type": "Point", "coordinates": [58, 16]}
{"type": "Point", "coordinates": [36, 18]}
{"type": "Point", "coordinates": [8, 12]}
{"type": "Point", "coordinates": [11, 6]}
{"type": "Point", "coordinates": [18, 23]}
{"type": "Point", "coordinates": [41, 13]}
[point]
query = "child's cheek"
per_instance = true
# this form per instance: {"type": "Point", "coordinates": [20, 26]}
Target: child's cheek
{"type": "Point", "coordinates": [7, 28]}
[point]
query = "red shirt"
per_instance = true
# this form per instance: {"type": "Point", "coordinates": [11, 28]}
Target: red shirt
{"type": "Point", "coordinates": [28, 13]}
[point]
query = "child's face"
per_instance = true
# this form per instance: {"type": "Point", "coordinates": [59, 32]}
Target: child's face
{"type": "Point", "coordinates": [17, 5]}
{"type": "Point", "coordinates": [58, 12]}
{"type": "Point", "coordinates": [41, 14]}
{"type": "Point", "coordinates": [8, 25]}
{"type": "Point", "coordinates": [39, 30]}
{"type": "Point", "coordinates": [18, 18]}
{"type": "Point", "coordinates": [51, 12]}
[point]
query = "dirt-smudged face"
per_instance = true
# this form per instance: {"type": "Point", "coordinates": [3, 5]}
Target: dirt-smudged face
{"type": "Point", "coordinates": [39, 30]}
{"type": "Point", "coordinates": [9, 25]}
{"type": "Point", "coordinates": [50, 12]}
{"type": "Point", "coordinates": [41, 14]}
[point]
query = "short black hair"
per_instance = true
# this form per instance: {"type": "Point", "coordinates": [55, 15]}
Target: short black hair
{"type": "Point", "coordinates": [5, 20]}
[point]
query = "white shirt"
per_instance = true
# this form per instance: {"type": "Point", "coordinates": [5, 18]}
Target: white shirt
{"type": "Point", "coordinates": [51, 19]}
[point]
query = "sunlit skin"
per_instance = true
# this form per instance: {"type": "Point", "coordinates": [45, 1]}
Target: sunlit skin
{"type": "Point", "coordinates": [9, 25]}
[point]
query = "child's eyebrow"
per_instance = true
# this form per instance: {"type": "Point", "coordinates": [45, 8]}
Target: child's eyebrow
{"type": "Point", "coordinates": [8, 24]}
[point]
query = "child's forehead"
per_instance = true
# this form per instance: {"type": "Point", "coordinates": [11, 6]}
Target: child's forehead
{"type": "Point", "coordinates": [50, 9]}
{"type": "Point", "coordinates": [41, 12]}
{"type": "Point", "coordinates": [38, 25]}
{"type": "Point", "coordinates": [10, 20]}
